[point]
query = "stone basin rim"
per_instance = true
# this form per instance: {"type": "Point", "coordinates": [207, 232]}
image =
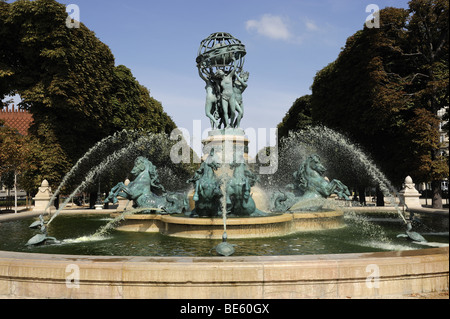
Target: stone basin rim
{"type": "Point", "coordinates": [13, 255]}
{"type": "Point", "coordinates": [402, 273]}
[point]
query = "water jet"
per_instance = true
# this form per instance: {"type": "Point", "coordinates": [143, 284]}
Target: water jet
{"type": "Point", "coordinates": [301, 245]}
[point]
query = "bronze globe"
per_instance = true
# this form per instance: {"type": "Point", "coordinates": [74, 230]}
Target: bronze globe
{"type": "Point", "coordinates": [216, 53]}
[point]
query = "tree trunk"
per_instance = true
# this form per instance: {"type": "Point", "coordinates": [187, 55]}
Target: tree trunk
{"type": "Point", "coordinates": [92, 199]}
{"type": "Point", "coordinates": [15, 192]}
{"type": "Point", "coordinates": [56, 202]}
{"type": "Point", "coordinates": [437, 194]}
{"type": "Point", "coordinates": [380, 196]}
{"type": "Point", "coordinates": [362, 195]}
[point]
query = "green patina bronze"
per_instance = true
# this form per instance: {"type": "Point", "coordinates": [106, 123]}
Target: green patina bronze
{"type": "Point", "coordinates": [239, 200]}
{"type": "Point", "coordinates": [207, 192]}
{"type": "Point", "coordinates": [41, 238]}
{"type": "Point", "coordinates": [220, 61]}
{"type": "Point", "coordinates": [310, 180]}
{"type": "Point", "coordinates": [147, 192]}
{"type": "Point", "coordinates": [309, 184]}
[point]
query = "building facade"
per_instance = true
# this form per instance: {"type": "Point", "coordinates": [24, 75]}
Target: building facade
{"type": "Point", "coordinates": [20, 120]}
{"type": "Point", "coordinates": [17, 119]}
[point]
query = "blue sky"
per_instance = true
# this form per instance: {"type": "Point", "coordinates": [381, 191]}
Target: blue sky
{"type": "Point", "coordinates": [287, 42]}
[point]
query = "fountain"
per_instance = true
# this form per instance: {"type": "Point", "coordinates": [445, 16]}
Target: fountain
{"type": "Point", "coordinates": [225, 183]}
{"type": "Point", "coordinates": [281, 235]}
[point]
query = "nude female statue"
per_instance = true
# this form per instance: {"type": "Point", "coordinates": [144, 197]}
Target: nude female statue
{"type": "Point", "coordinates": [211, 100]}
{"type": "Point", "coordinates": [240, 84]}
{"type": "Point", "coordinates": [228, 98]}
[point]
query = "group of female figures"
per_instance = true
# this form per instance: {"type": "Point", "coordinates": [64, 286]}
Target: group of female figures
{"type": "Point", "coordinates": [224, 104]}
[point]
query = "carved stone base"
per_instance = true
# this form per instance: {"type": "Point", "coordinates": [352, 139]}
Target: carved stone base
{"type": "Point", "coordinates": [409, 195]}
{"type": "Point", "coordinates": [43, 197]}
{"type": "Point", "coordinates": [228, 144]}
{"type": "Point", "coordinates": [238, 227]}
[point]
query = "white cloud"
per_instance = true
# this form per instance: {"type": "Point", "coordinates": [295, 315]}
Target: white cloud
{"type": "Point", "coordinates": [281, 28]}
{"type": "Point", "coordinates": [271, 26]}
{"type": "Point", "coordinates": [311, 26]}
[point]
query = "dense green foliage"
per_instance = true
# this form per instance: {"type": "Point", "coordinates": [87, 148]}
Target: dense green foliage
{"type": "Point", "coordinates": [133, 107]}
{"type": "Point", "coordinates": [67, 79]}
{"type": "Point", "coordinates": [384, 91]}
{"type": "Point", "coordinates": [362, 93]}
{"type": "Point", "coordinates": [298, 117]}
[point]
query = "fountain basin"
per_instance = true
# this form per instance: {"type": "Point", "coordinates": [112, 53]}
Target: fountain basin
{"type": "Point", "coordinates": [366, 275]}
{"type": "Point", "coordinates": [251, 227]}
{"type": "Point", "coordinates": [356, 275]}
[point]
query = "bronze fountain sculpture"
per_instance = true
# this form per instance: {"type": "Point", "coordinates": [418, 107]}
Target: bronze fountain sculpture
{"type": "Point", "coordinates": [223, 182]}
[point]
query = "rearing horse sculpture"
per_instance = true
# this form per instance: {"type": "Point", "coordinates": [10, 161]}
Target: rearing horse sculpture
{"type": "Point", "coordinates": [207, 189]}
{"type": "Point", "coordinates": [239, 200]}
{"type": "Point", "coordinates": [146, 191]}
{"type": "Point", "coordinates": [310, 180]}
{"type": "Point", "coordinates": [141, 189]}
{"type": "Point", "coordinates": [309, 184]}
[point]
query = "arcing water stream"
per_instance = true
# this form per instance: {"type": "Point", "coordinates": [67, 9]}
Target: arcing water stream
{"type": "Point", "coordinates": [106, 163]}
{"type": "Point", "coordinates": [99, 149]}
{"type": "Point", "coordinates": [297, 145]}
{"type": "Point", "coordinates": [323, 135]}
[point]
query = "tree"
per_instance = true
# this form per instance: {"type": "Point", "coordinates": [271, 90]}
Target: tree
{"type": "Point", "coordinates": [45, 160]}
{"type": "Point", "coordinates": [62, 74]}
{"type": "Point", "coordinates": [387, 85]}
{"type": "Point", "coordinates": [361, 93]}
{"type": "Point", "coordinates": [428, 37]}
{"type": "Point", "coordinates": [14, 150]}
{"type": "Point", "coordinates": [29, 159]}
{"type": "Point", "coordinates": [297, 117]}
{"type": "Point", "coordinates": [67, 80]}
{"type": "Point", "coordinates": [134, 107]}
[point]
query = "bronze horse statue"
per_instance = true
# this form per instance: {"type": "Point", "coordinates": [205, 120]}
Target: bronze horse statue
{"type": "Point", "coordinates": [310, 180]}
{"type": "Point", "coordinates": [146, 191]}
{"type": "Point", "coordinates": [309, 184]}
{"type": "Point", "coordinates": [207, 196]}
{"type": "Point", "coordinates": [238, 197]}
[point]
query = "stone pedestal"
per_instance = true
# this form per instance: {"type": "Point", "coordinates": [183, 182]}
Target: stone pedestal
{"type": "Point", "coordinates": [43, 197]}
{"type": "Point", "coordinates": [409, 194]}
{"type": "Point", "coordinates": [228, 144]}
{"type": "Point", "coordinates": [123, 204]}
